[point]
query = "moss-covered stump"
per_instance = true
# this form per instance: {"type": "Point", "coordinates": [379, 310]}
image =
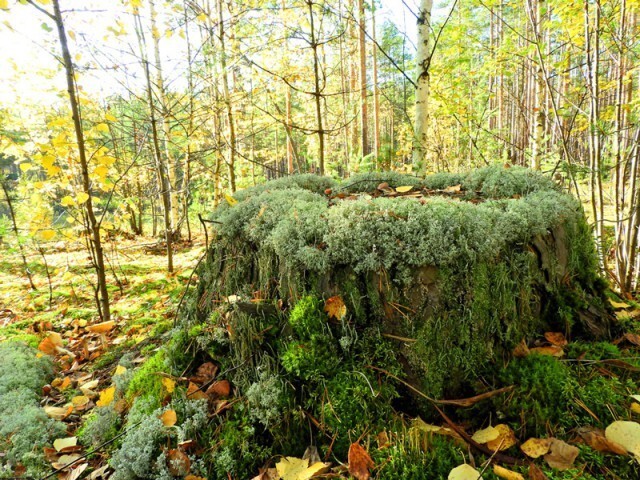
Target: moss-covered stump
{"type": "Point", "coordinates": [463, 267]}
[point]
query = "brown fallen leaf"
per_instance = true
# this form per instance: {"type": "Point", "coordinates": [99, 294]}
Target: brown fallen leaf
{"type": "Point", "coordinates": [506, 473]}
{"type": "Point", "coordinates": [194, 392]}
{"type": "Point", "coordinates": [205, 373]}
{"type": "Point", "coordinates": [505, 440]}
{"type": "Point", "coordinates": [77, 471]}
{"type": "Point", "coordinates": [596, 439]}
{"type": "Point", "coordinates": [561, 455]}
{"type": "Point", "coordinates": [556, 338]}
{"type": "Point", "coordinates": [221, 389]}
{"type": "Point", "coordinates": [536, 447]}
{"type": "Point", "coordinates": [178, 463]}
{"type": "Point", "coordinates": [359, 462]}
{"type": "Point", "coordinates": [335, 307]}
{"type": "Point", "coordinates": [551, 350]}
{"type": "Point", "coordinates": [521, 350]}
{"type": "Point", "coordinates": [169, 418]}
{"type": "Point", "coordinates": [58, 413]}
{"type": "Point", "coordinates": [535, 473]}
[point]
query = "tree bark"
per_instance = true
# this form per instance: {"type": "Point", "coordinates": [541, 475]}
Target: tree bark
{"type": "Point", "coordinates": [423, 60]}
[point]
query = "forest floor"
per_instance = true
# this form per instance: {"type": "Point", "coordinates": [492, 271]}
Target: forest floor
{"type": "Point", "coordinates": [60, 320]}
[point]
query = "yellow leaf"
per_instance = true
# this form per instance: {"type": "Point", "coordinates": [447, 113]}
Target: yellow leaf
{"type": "Point", "coordinates": [291, 468]}
{"type": "Point", "coordinates": [67, 201]}
{"type": "Point", "coordinates": [486, 435]}
{"type": "Point", "coordinates": [464, 472]}
{"type": "Point", "coordinates": [44, 2]}
{"type": "Point", "coordinates": [101, 171]}
{"type": "Point", "coordinates": [635, 408]}
{"type": "Point", "coordinates": [4, 4]}
{"type": "Point", "coordinates": [169, 384]}
{"type": "Point", "coordinates": [404, 189]}
{"type": "Point", "coordinates": [202, 17]}
{"type": "Point", "coordinates": [169, 418]}
{"type": "Point", "coordinates": [119, 370]}
{"type": "Point", "coordinates": [106, 397]}
{"type": "Point", "coordinates": [626, 434]}
{"type": "Point", "coordinates": [110, 118]}
{"type": "Point", "coordinates": [106, 160]}
{"type": "Point", "coordinates": [335, 307]}
{"type": "Point", "coordinates": [72, 34]}
{"type": "Point", "coordinates": [168, 33]}
{"type": "Point", "coordinates": [61, 443]}
{"type": "Point", "coordinates": [505, 440]}
{"type": "Point", "coordinates": [79, 401]}
{"type": "Point", "coordinates": [47, 161]}
{"type": "Point", "coordinates": [82, 197]}
{"type": "Point", "coordinates": [230, 200]}
{"type": "Point", "coordinates": [47, 235]}
{"type": "Point", "coordinates": [25, 166]}
{"type": "Point", "coordinates": [507, 474]}
{"type": "Point", "coordinates": [102, 127]}
{"type": "Point", "coordinates": [536, 447]}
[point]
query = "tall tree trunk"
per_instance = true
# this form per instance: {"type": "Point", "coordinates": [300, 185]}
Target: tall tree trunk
{"type": "Point", "coordinates": [364, 126]}
{"type": "Point", "coordinates": [93, 224]}
{"type": "Point", "coordinates": [317, 93]}
{"type": "Point", "coordinates": [423, 60]}
{"type": "Point", "coordinates": [376, 92]}
{"type": "Point", "coordinates": [231, 163]}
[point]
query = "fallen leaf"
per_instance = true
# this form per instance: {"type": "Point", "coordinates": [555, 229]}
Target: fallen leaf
{"type": "Point", "coordinates": [536, 447]}
{"type": "Point", "coordinates": [335, 307]}
{"type": "Point", "coordinates": [221, 389]}
{"type": "Point", "coordinates": [626, 434]}
{"type": "Point", "coordinates": [99, 473]}
{"type": "Point", "coordinates": [535, 473]}
{"type": "Point", "coordinates": [521, 350]}
{"type": "Point", "coordinates": [205, 373]}
{"type": "Point", "coordinates": [194, 392]}
{"type": "Point", "coordinates": [193, 477]}
{"type": "Point", "coordinates": [507, 474]}
{"type": "Point", "coordinates": [58, 413]}
{"type": "Point", "coordinates": [464, 472]}
{"type": "Point", "coordinates": [106, 397]}
{"type": "Point", "coordinates": [561, 455]}
{"type": "Point", "coordinates": [486, 435]}
{"type": "Point", "coordinates": [551, 350]}
{"type": "Point", "coordinates": [635, 407]}
{"type": "Point", "coordinates": [619, 305]}
{"type": "Point", "coordinates": [119, 370]}
{"type": "Point", "coordinates": [65, 460]}
{"type": "Point", "coordinates": [62, 443]}
{"type": "Point", "coordinates": [169, 384]}
{"type": "Point", "coordinates": [292, 468]}
{"type": "Point", "coordinates": [102, 327]}
{"type": "Point", "coordinates": [556, 338]}
{"type": "Point", "coordinates": [505, 440]}
{"type": "Point", "coordinates": [453, 189]}
{"type": "Point", "coordinates": [77, 471]}
{"type": "Point", "coordinates": [169, 418]}
{"type": "Point", "coordinates": [359, 462]}
{"type": "Point", "coordinates": [596, 439]}
{"type": "Point", "coordinates": [178, 463]}
{"type": "Point", "coordinates": [404, 189]}
{"type": "Point", "coordinates": [88, 387]}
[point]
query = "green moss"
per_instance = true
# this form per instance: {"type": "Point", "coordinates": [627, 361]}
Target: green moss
{"type": "Point", "coordinates": [315, 357]}
{"type": "Point", "coordinates": [307, 318]}
{"type": "Point", "coordinates": [147, 382]}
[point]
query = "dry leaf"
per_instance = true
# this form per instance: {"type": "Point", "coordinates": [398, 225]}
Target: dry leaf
{"type": "Point", "coordinates": [292, 468]}
{"type": "Point", "coordinates": [556, 338]}
{"type": "Point", "coordinates": [102, 327]}
{"type": "Point", "coordinates": [335, 307]}
{"type": "Point", "coordinates": [359, 462]}
{"type": "Point", "coordinates": [521, 350]}
{"type": "Point", "coordinates": [80, 401]}
{"type": "Point", "coordinates": [77, 471]}
{"type": "Point", "coordinates": [596, 439]}
{"type": "Point", "coordinates": [561, 455]}
{"type": "Point", "coordinates": [88, 387]}
{"type": "Point", "coordinates": [194, 393]}
{"type": "Point", "coordinates": [535, 473]}
{"type": "Point", "coordinates": [205, 373]}
{"type": "Point", "coordinates": [507, 474]}
{"type": "Point", "coordinates": [635, 408]}
{"type": "Point", "coordinates": [536, 447]}
{"type": "Point", "coordinates": [404, 189]}
{"type": "Point", "coordinates": [626, 434]}
{"type": "Point", "coordinates": [486, 435]}
{"type": "Point", "coordinates": [169, 418]}
{"type": "Point", "coordinates": [221, 389]}
{"type": "Point", "coordinates": [552, 350]}
{"type": "Point", "coordinates": [58, 413]}
{"type": "Point", "coordinates": [178, 463]}
{"type": "Point", "coordinates": [505, 440]}
{"type": "Point", "coordinates": [120, 370]}
{"type": "Point", "coordinates": [106, 397]}
{"type": "Point", "coordinates": [453, 189]}
{"type": "Point", "coordinates": [62, 443]}
{"type": "Point", "coordinates": [193, 477]}
{"type": "Point", "coordinates": [65, 460]}
{"type": "Point", "coordinates": [619, 305]}
{"type": "Point", "coordinates": [464, 472]}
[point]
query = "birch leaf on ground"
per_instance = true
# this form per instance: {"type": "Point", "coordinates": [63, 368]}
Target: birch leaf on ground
{"type": "Point", "coordinates": [536, 447]}
{"type": "Point", "coordinates": [561, 455]}
{"type": "Point", "coordinates": [464, 472]}
{"type": "Point", "coordinates": [486, 435]}
{"type": "Point", "coordinates": [626, 434]}
{"type": "Point", "coordinates": [506, 473]}
{"type": "Point", "coordinates": [292, 468]}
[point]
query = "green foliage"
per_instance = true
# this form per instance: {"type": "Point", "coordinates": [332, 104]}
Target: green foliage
{"type": "Point", "coordinates": [146, 382]}
{"type": "Point", "coordinates": [101, 426]}
{"type": "Point", "coordinates": [543, 393]}
{"type": "Point", "coordinates": [24, 427]}
{"type": "Point", "coordinates": [308, 318]}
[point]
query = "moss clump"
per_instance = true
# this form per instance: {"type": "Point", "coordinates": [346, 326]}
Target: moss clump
{"type": "Point", "coordinates": [24, 427]}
